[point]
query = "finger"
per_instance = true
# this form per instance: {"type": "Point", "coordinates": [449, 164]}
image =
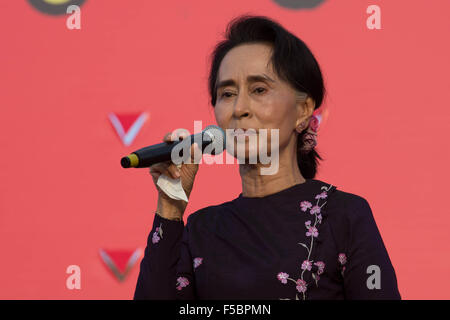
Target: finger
{"type": "Point", "coordinates": [196, 153]}
{"type": "Point", "coordinates": [174, 171]}
{"type": "Point", "coordinates": [167, 137]}
{"type": "Point", "coordinates": [159, 167]}
{"type": "Point", "coordinates": [167, 173]}
{"type": "Point", "coordinates": [155, 175]}
{"type": "Point", "coordinates": [152, 170]}
{"type": "Point", "coordinates": [180, 134]}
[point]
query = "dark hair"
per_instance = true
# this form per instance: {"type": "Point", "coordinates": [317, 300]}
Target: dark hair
{"type": "Point", "coordinates": [292, 61]}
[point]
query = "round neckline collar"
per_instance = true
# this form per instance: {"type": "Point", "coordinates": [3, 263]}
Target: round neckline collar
{"type": "Point", "coordinates": [284, 192]}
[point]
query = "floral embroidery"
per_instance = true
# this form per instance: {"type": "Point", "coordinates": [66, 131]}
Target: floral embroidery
{"type": "Point", "coordinates": [315, 209]}
{"type": "Point", "coordinates": [197, 261]}
{"type": "Point", "coordinates": [157, 235]}
{"type": "Point", "coordinates": [342, 258]}
{"type": "Point", "coordinates": [283, 276]}
{"type": "Point", "coordinates": [312, 231]}
{"type": "Point", "coordinates": [305, 205]}
{"type": "Point", "coordinates": [300, 284]}
{"type": "Point", "coordinates": [307, 264]}
{"type": "Point", "coordinates": [322, 195]}
{"type": "Point", "coordinates": [182, 282]}
{"type": "Point", "coordinates": [320, 265]}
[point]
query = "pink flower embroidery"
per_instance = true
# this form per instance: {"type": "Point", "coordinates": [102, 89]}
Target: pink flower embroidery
{"type": "Point", "coordinates": [305, 205]}
{"type": "Point", "coordinates": [307, 264]}
{"type": "Point", "coordinates": [312, 231]}
{"type": "Point", "coordinates": [197, 261]}
{"type": "Point", "coordinates": [315, 209]}
{"type": "Point", "coordinates": [301, 285]}
{"type": "Point", "coordinates": [320, 265]}
{"type": "Point", "coordinates": [342, 258]}
{"type": "Point", "coordinates": [155, 237]}
{"type": "Point", "coordinates": [282, 276]}
{"type": "Point", "coordinates": [182, 282]}
{"type": "Point", "coordinates": [319, 218]}
{"type": "Point", "coordinates": [322, 195]}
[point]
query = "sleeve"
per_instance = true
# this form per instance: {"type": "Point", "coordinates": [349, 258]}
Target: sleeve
{"type": "Point", "coordinates": [166, 254]}
{"type": "Point", "coordinates": [367, 271]}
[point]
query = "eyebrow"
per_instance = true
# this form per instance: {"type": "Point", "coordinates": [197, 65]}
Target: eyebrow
{"type": "Point", "coordinates": [250, 79]}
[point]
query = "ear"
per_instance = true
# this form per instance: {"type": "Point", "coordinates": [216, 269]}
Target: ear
{"type": "Point", "coordinates": [305, 109]}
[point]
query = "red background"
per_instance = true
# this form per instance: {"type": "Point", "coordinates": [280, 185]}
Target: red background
{"type": "Point", "coordinates": [63, 194]}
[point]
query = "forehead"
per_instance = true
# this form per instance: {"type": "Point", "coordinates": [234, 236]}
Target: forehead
{"type": "Point", "coordinates": [246, 59]}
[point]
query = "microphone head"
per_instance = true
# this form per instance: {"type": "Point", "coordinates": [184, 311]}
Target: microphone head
{"type": "Point", "coordinates": [218, 138]}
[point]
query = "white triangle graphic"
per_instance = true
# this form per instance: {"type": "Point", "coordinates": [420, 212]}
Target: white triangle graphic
{"type": "Point", "coordinates": [128, 138]}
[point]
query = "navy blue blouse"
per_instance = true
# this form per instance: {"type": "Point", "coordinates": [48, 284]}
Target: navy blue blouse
{"type": "Point", "coordinates": [310, 241]}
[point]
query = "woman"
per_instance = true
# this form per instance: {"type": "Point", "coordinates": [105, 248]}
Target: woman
{"type": "Point", "coordinates": [287, 235]}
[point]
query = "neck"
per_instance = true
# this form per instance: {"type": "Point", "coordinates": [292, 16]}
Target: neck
{"type": "Point", "coordinates": [256, 185]}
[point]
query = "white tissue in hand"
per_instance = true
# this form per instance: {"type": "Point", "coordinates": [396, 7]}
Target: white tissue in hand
{"type": "Point", "coordinates": [172, 187]}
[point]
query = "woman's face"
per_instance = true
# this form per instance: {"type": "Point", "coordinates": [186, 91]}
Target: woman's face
{"type": "Point", "coordinates": [251, 96]}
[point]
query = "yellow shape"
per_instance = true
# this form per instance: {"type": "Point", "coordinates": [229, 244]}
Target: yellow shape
{"type": "Point", "coordinates": [134, 160]}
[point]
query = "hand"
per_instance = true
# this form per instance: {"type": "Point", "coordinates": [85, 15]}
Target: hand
{"type": "Point", "coordinates": [167, 207]}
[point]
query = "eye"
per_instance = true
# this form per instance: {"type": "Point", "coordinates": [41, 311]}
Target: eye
{"type": "Point", "coordinates": [226, 94]}
{"type": "Point", "coordinates": [260, 90]}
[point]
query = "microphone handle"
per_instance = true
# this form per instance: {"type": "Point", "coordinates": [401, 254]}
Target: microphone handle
{"type": "Point", "coordinates": [161, 152]}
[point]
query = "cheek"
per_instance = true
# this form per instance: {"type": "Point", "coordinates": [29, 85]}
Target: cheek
{"type": "Point", "coordinates": [275, 118]}
{"type": "Point", "coordinates": [279, 116]}
{"type": "Point", "coordinates": [221, 116]}
{"type": "Point", "coordinates": [274, 109]}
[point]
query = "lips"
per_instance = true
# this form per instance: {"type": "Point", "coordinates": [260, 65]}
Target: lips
{"type": "Point", "coordinates": [244, 132]}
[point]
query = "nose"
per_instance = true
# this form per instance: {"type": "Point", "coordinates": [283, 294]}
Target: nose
{"type": "Point", "coordinates": [241, 106]}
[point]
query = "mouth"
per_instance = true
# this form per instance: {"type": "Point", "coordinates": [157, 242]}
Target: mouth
{"type": "Point", "coordinates": [239, 132]}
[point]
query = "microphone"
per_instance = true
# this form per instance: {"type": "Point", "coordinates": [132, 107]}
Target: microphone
{"type": "Point", "coordinates": [211, 140]}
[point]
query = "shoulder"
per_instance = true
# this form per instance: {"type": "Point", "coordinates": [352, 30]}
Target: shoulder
{"type": "Point", "coordinates": [351, 220]}
{"type": "Point", "coordinates": [347, 206]}
{"type": "Point", "coordinates": [351, 203]}
{"type": "Point", "coordinates": [350, 216]}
